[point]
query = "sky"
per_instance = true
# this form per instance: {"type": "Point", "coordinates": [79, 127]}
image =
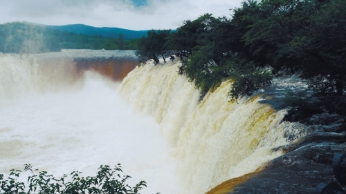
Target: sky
{"type": "Point", "coordinates": [128, 14]}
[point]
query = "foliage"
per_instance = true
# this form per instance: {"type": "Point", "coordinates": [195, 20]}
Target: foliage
{"type": "Point", "coordinates": [271, 37]}
{"type": "Point", "coordinates": [202, 70]}
{"type": "Point", "coordinates": [186, 37]}
{"type": "Point", "coordinates": [153, 45]}
{"type": "Point", "coordinates": [247, 76]}
{"type": "Point", "coordinates": [308, 37]}
{"type": "Point", "coordinates": [213, 59]}
{"type": "Point", "coordinates": [107, 180]}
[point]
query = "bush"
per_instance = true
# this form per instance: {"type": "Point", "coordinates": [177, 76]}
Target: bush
{"type": "Point", "coordinates": [107, 180]}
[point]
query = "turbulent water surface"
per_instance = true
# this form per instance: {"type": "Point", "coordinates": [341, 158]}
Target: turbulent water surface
{"type": "Point", "coordinates": [60, 120]}
{"type": "Point", "coordinates": [66, 111]}
{"type": "Point", "coordinates": [215, 139]}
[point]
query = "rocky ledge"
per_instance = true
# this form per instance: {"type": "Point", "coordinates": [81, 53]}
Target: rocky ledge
{"type": "Point", "coordinates": [306, 164]}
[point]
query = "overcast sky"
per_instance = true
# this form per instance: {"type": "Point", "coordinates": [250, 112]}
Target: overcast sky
{"type": "Point", "coordinates": [130, 14]}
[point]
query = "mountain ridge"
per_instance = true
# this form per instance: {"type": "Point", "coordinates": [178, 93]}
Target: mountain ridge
{"type": "Point", "coordinates": [26, 37]}
{"type": "Point", "coordinates": [109, 32]}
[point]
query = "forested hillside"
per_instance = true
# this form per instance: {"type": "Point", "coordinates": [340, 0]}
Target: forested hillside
{"type": "Point", "coordinates": [105, 31]}
{"type": "Point", "coordinates": [22, 37]}
{"type": "Point", "coordinates": [264, 39]}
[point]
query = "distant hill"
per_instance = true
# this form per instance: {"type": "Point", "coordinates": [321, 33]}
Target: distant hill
{"type": "Point", "coordinates": [104, 31]}
{"type": "Point", "coordinates": [24, 37]}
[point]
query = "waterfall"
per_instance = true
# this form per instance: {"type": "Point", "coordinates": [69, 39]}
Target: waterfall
{"type": "Point", "coordinates": [213, 140]}
{"type": "Point", "coordinates": [25, 76]}
{"type": "Point", "coordinates": [36, 74]}
{"type": "Point", "coordinates": [54, 104]}
{"type": "Point", "coordinates": [62, 115]}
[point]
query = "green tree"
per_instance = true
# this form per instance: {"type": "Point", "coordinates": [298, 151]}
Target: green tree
{"type": "Point", "coordinates": [153, 46]}
{"type": "Point", "coordinates": [308, 37]}
{"type": "Point", "coordinates": [213, 59]}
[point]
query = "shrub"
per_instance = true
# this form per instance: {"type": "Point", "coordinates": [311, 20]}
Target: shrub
{"type": "Point", "coordinates": [107, 180]}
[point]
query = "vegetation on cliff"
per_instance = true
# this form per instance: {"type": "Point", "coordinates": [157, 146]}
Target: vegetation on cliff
{"type": "Point", "coordinates": [265, 39]}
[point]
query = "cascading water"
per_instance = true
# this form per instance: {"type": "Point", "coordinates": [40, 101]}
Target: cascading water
{"type": "Point", "coordinates": [23, 77]}
{"type": "Point", "coordinates": [213, 140]}
{"type": "Point", "coordinates": [58, 116]}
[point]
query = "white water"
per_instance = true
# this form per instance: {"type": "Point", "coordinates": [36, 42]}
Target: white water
{"type": "Point", "coordinates": [60, 122]}
{"type": "Point", "coordinates": [214, 140]}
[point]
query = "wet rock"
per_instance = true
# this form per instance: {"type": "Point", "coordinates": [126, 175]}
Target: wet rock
{"type": "Point", "coordinates": [299, 171]}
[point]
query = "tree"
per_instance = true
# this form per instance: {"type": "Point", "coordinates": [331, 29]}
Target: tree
{"type": "Point", "coordinates": [153, 45]}
{"type": "Point", "coordinates": [213, 59]}
{"type": "Point", "coordinates": [308, 37]}
{"type": "Point", "coordinates": [264, 38]}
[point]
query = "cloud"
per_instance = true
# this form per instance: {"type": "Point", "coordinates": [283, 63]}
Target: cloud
{"type": "Point", "coordinates": [131, 14]}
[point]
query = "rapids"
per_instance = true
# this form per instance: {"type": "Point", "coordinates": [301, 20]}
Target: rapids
{"type": "Point", "coordinates": [68, 111]}
{"type": "Point", "coordinates": [213, 140]}
{"type": "Point", "coordinates": [60, 119]}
